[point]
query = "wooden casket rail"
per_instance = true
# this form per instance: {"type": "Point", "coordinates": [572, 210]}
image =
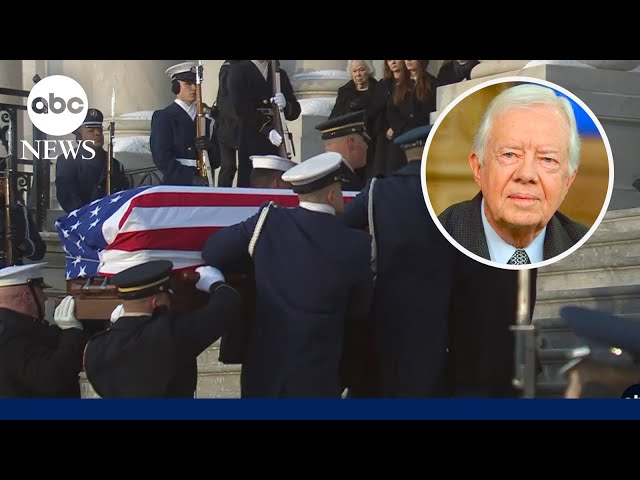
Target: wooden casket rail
{"type": "Point", "coordinates": [95, 298]}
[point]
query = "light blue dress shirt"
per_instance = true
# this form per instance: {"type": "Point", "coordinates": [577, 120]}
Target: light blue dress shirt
{"type": "Point", "coordinates": [500, 251]}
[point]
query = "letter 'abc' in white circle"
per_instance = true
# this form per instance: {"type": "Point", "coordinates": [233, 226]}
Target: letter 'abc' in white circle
{"type": "Point", "coordinates": [57, 105]}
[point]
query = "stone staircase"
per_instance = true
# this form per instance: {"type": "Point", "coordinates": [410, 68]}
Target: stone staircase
{"type": "Point", "coordinates": [603, 274]}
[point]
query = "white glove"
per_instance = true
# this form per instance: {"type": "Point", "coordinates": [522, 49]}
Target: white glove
{"type": "Point", "coordinates": [279, 100]}
{"type": "Point", "coordinates": [275, 138]}
{"type": "Point", "coordinates": [117, 313]}
{"type": "Point", "coordinates": [208, 276]}
{"type": "Point", "coordinates": [63, 315]}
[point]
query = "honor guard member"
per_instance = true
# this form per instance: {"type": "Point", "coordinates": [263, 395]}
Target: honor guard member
{"type": "Point", "coordinates": [251, 92]}
{"type": "Point", "coordinates": [266, 173]}
{"type": "Point", "coordinates": [414, 267]}
{"type": "Point", "coordinates": [268, 170]}
{"type": "Point", "coordinates": [347, 135]}
{"type": "Point", "coordinates": [312, 275]}
{"type": "Point", "coordinates": [37, 359]}
{"type": "Point", "coordinates": [226, 127]}
{"type": "Point", "coordinates": [607, 359]}
{"type": "Point", "coordinates": [148, 350]}
{"type": "Point", "coordinates": [173, 132]}
{"type": "Point", "coordinates": [82, 179]}
{"type": "Point", "coordinates": [26, 241]}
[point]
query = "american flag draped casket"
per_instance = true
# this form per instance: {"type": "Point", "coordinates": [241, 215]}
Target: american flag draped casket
{"type": "Point", "coordinates": [164, 222]}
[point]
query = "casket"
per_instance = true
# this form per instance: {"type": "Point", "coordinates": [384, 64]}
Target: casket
{"type": "Point", "coordinates": [154, 223]}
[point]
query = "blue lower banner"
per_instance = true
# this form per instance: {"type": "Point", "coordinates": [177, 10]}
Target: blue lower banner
{"type": "Point", "coordinates": [312, 409]}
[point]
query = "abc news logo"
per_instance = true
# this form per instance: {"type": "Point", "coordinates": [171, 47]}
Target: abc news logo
{"type": "Point", "coordinates": [57, 105]}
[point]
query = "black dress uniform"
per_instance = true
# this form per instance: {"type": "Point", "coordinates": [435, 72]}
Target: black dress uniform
{"type": "Point", "coordinates": [83, 179]}
{"type": "Point", "coordinates": [173, 136]}
{"type": "Point", "coordinates": [226, 127]}
{"type": "Point", "coordinates": [27, 242]}
{"type": "Point", "coordinates": [341, 126]}
{"type": "Point", "coordinates": [312, 276]}
{"type": "Point", "coordinates": [155, 355]}
{"type": "Point", "coordinates": [413, 282]}
{"type": "Point", "coordinates": [250, 95]}
{"type": "Point", "coordinates": [36, 359]}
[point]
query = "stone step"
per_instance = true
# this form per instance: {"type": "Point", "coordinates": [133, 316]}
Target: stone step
{"type": "Point", "coordinates": [622, 299]}
{"type": "Point", "coordinates": [610, 257]}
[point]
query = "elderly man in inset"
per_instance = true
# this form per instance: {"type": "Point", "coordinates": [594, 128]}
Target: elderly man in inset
{"type": "Point", "coordinates": [524, 158]}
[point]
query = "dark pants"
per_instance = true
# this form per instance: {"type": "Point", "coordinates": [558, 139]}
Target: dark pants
{"type": "Point", "coordinates": [227, 165]}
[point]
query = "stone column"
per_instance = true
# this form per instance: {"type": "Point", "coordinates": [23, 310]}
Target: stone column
{"type": "Point", "coordinates": [315, 83]}
{"type": "Point", "coordinates": [141, 86]}
{"type": "Point", "coordinates": [10, 77]}
{"type": "Point", "coordinates": [11, 74]}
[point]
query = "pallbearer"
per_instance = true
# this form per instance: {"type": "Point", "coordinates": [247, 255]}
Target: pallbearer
{"type": "Point", "coordinates": [312, 276]}
{"type": "Point", "coordinates": [149, 351]}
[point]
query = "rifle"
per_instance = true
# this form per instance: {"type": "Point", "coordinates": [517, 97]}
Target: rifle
{"type": "Point", "coordinates": [525, 345]}
{"type": "Point", "coordinates": [201, 159]}
{"type": "Point", "coordinates": [112, 127]}
{"type": "Point", "coordinates": [285, 149]}
{"type": "Point", "coordinates": [6, 190]}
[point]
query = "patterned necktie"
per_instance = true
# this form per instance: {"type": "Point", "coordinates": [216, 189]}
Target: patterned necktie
{"type": "Point", "coordinates": [519, 257]}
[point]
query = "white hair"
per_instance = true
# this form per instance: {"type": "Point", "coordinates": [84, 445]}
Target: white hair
{"type": "Point", "coordinates": [522, 96]}
{"type": "Point", "coordinates": [367, 63]}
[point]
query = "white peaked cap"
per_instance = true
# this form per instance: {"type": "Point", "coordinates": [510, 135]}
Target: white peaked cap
{"type": "Point", "coordinates": [315, 173]}
{"type": "Point", "coordinates": [272, 162]}
{"type": "Point", "coordinates": [184, 67]}
{"type": "Point", "coordinates": [20, 274]}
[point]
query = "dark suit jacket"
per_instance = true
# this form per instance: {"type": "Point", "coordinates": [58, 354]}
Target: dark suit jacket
{"type": "Point", "coordinates": [463, 221]}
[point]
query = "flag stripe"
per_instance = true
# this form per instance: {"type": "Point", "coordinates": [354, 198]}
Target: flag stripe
{"type": "Point", "coordinates": [163, 239]}
{"type": "Point", "coordinates": [184, 217]}
{"type": "Point", "coordinates": [167, 222]}
{"type": "Point", "coordinates": [114, 261]}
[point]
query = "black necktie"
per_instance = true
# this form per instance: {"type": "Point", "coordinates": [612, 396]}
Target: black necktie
{"type": "Point", "coordinates": [519, 257]}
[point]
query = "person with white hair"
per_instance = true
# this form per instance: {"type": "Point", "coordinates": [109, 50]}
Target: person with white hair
{"type": "Point", "coordinates": [358, 94]}
{"type": "Point", "coordinates": [524, 158]}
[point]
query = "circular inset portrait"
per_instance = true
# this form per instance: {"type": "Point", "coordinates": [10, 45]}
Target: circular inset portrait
{"type": "Point", "coordinates": [517, 173]}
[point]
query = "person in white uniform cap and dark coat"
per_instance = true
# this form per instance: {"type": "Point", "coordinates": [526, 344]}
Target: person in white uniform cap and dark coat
{"type": "Point", "coordinates": [37, 359]}
{"type": "Point", "coordinates": [173, 132]}
{"type": "Point", "coordinates": [313, 278]}
{"type": "Point", "coordinates": [267, 171]}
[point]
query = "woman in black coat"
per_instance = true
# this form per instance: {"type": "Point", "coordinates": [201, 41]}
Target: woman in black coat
{"type": "Point", "coordinates": [388, 156]}
{"type": "Point", "coordinates": [358, 94]}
